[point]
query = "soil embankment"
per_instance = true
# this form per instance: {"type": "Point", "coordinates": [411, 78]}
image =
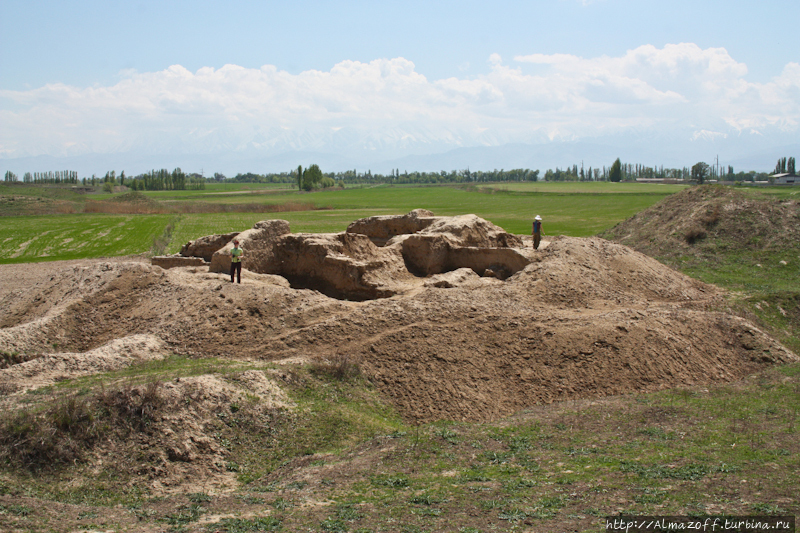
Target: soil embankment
{"type": "Point", "coordinates": [585, 318]}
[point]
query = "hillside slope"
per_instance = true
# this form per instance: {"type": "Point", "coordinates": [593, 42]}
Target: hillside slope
{"type": "Point", "coordinates": [737, 239]}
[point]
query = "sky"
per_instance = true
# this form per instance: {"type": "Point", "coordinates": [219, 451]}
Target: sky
{"type": "Point", "coordinates": [236, 84]}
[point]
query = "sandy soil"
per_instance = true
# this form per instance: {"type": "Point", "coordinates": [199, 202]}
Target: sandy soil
{"type": "Point", "coordinates": [587, 318]}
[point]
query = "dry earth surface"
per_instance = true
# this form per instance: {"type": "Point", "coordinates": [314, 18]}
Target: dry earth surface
{"type": "Point", "coordinates": [586, 318]}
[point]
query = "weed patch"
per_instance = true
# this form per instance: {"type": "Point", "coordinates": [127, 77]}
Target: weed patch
{"type": "Point", "coordinates": [245, 525]}
{"type": "Point", "coordinates": [71, 424]}
{"type": "Point", "coordinates": [339, 366]}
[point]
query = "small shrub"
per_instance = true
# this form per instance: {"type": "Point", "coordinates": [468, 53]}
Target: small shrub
{"type": "Point", "coordinates": [519, 444]}
{"type": "Point", "coordinates": [282, 504]}
{"type": "Point", "coordinates": [135, 406]}
{"type": "Point", "coordinates": [395, 481]}
{"type": "Point", "coordinates": [198, 497]}
{"type": "Point", "coordinates": [515, 485]}
{"type": "Point", "coordinates": [513, 515]}
{"type": "Point", "coordinates": [426, 499]}
{"type": "Point", "coordinates": [694, 234]}
{"type": "Point", "coordinates": [692, 471]}
{"type": "Point", "coordinates": [449, 435]}
{"type": "Point", "coordinates": [242, 525]}
{"type": "Point", "coordinates": [185, 514]}
{"type": "Point", "coordinates": [56, 436]}
{"type": "Point", "coordinates": [347, 512]}
{"type": "Point", "coordinates": [474, 475]}
{"type": "Point", "coordinates": [767, 508]}
{"type": "Point", "coordinates": [8, 359]}
{"type": "Point", "coordinates": [710, 218]}
{"type": "Point", "coordinates": [339, 366]}
{"type": "Point", "coordinates": [496, 457]}
{"type": "Point", "coordinates": [334, 525]}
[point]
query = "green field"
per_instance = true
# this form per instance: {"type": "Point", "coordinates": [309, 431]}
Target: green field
{"type": "Point", "coordinates": [579, 209]}
{"type": "Point", "coordinates": [56, 237]}
{"type": "Point", "coordinates": [585, 187]}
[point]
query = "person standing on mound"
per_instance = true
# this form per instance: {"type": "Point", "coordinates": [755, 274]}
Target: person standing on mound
{"type": "Point", "coordinates": [537, 232]}
{"type": "Point", "coordinates": [236, 261]}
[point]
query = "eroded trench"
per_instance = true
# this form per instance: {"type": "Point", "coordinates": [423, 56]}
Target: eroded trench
{"type": "Point", "coordinates": [347, 268]}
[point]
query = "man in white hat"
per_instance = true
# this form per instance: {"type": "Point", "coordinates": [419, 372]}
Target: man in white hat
{"type": "Point", "coordinates": [537, 231]}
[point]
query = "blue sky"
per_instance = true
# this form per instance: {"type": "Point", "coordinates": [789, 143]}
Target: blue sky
{"type": "Point", "coordinates": [390, 79]}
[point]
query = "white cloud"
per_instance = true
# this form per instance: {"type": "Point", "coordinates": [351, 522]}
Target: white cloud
{"type": "Point", "coordinates": [387, 104]}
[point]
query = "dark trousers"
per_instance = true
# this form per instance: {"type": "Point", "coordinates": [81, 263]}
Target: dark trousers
{"type": "Point", "coordinates": [236, 268]}
{"type": "Point", "coordinates": [536, 238]}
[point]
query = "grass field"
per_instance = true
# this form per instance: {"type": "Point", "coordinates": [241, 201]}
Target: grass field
{"type": "Point", "coordinates": [56, 237]}
{"type": "Point", "coordinates": [568, 209]}
{"type": "Point", "coordinates": [585, 187]}
{"type": "Point", "coordinates": [351, 464]}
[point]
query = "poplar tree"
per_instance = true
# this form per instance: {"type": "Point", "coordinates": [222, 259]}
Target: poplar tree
{"type": "Point", "coordinates": [616, 171]}
{"type": "Point", "coordinates": [299, 177]}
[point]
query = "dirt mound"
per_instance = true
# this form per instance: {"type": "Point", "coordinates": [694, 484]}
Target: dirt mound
{"type": "Point", "coordinates": [699, 219]}
{"type": "Point", "coordinates": [29, 295]}
{"type": "Point", "coordinates": [168, 435]}
{"type": "Point", "coordinates": [586, 317]}
{"type": "Point", "coordinates": [579, 318]}
{"type": "Point", "coordinates": [47, 369]}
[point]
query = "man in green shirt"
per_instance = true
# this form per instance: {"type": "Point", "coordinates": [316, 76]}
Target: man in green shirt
{"type": "Point", "coordinates": [236, 261]}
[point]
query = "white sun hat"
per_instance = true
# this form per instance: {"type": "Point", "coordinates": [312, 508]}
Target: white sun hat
{"type": "Point", "coordinates": [538, 217]}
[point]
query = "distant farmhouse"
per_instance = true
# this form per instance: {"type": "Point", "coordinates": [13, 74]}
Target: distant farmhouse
{"type": "Point", "coordinates": [785, 178]}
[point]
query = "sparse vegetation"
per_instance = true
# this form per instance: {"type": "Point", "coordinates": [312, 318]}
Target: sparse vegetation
{"type": "Point", "coordinates": [694, 234]}
{"type": "Point", "coordinates": [341, 366]}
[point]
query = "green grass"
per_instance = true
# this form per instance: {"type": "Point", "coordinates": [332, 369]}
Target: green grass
{"type": "Point", "coordinates": [586, 187]}
{"type": "Point", "coordinates": [728, 449]}
{"type": "Point", "coordinates": [55, 237]}
{"type": "Point", "coordinates": [581, 211]}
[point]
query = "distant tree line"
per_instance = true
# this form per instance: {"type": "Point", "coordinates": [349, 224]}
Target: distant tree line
{"type": "Point", "coordinates": [785, 166]}
{"type": "Point", "coordinates": [164, 180]}
{"type": "Point", "coordinates": [313, 177]}
{"type": "Point", "coordinates": [41, 178]}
